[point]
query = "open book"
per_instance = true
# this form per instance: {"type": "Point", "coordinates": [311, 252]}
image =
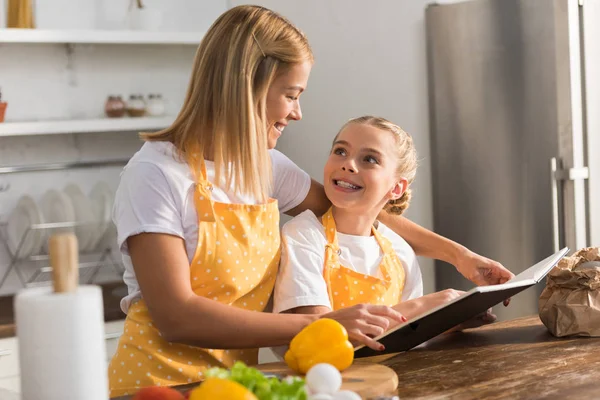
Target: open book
{"type": "Point", "coordinates": [476, 301]}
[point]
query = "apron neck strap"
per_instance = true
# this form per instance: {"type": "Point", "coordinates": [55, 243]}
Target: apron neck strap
{"type": "Point", "coordinates": [202, 193]}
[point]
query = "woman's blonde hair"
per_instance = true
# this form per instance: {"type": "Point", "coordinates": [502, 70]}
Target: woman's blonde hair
{"type": "Point", "coordinates": [405, 151]}
{"type": "Point", "coordinates": [224, 112]}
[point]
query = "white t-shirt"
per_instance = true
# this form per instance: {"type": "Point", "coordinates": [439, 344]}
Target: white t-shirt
{"type": "Point", "coordinates": [300, 279]}
{"type": "Point", "coordinates": [156, 195]}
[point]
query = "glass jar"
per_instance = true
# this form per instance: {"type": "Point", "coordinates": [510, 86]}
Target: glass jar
{"type": "Point", "coordinates": [156, 105]}
{"type": "Point", "coordinates": [114, 107]}
{"type": "Point", "coordinates": [136, 106]}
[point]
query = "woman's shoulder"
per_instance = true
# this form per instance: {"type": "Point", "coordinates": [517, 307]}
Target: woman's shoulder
{"type": "Point", "coordinates": [305, 227]}
{"type": "Point", "coordinates": [157, 156]}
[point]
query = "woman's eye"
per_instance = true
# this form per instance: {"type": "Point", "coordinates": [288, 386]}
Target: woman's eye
{"type": "Point", "coordinates": [339, 151]}
{"type": "Point", "coordinates": [293, 98]}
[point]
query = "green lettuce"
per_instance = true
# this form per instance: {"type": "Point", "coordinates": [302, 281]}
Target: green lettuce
{"type": "Point", "coordinates": [263, 387]}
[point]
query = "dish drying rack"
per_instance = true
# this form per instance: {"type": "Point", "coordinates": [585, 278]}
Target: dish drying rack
{"type": "Point", "coordinates": [33, 270]}
{"type": "Point", "coordinates": [36, 265]}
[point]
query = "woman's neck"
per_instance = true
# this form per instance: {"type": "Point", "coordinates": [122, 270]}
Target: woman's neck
{"type": "Point", "coordinates": [350, 222]}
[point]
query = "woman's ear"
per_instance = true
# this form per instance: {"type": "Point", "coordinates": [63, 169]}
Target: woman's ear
{"type": "Point", "coordinates": [399, 189]}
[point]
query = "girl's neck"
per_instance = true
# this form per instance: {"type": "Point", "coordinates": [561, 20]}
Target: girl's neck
{"type": "Point", "coordinates": [350, 222]}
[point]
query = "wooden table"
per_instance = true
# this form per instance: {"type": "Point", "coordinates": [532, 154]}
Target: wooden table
{"type": "Point", "coordinates": [515, 359]}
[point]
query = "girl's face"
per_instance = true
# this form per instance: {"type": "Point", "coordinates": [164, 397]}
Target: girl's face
{"type": "Point", "coordinates": [360, 173]}
{"type": "Point", "coordinates": [283, 99]}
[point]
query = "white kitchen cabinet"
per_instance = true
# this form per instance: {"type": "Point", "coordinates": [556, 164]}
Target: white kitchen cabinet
{"type": "Point", "coordinates": [113, 331]}
{"type": "Point", "coordinates": [10, 378]}
{"type": "Point", "coordinates": [9, 357]}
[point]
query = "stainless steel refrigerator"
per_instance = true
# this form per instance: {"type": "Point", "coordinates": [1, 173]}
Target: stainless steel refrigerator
{"type": "Point", "coordinates": [515, 130]}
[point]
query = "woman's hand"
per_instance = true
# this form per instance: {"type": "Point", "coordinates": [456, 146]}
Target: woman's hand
{"type": "Point", "coordinates": [481, 270]}
{"type": "Point", "coordinates": [366, 321]}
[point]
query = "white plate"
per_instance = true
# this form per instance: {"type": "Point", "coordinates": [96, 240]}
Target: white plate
{"type": "Point", "coordinates": [101, 197]}
{"type": "Point", "coordinates": [109, 239]}
{"type": "Point", "coordinates": [25, 214]}
{"type": "Point", "coordinates": [84, 214]}
{"type": "Point", "coordinates": [57, 207]}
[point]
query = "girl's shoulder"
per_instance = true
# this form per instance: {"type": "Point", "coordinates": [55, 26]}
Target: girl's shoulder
{"type": "Point", "coordinates": [305, 227]}
{"type": "Point", "coordinates": [400, 245]}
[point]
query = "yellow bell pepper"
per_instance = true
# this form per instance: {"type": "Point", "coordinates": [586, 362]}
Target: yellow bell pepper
{"type": "Point", "coordinates": [323, 341]}
{"type": "Point", "coordinates": [217, 389]}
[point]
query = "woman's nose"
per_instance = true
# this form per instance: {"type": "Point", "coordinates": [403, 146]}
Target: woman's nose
{"type": "Point", "coordinates": [296, 113]}
{"type": "Point", "coordinates": [349, 168]}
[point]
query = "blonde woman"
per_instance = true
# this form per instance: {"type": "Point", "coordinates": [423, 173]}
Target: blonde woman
{"type": "Point", "coordinates": [346, 257]}
{"type": "Point", "coordinates": [197, 214]}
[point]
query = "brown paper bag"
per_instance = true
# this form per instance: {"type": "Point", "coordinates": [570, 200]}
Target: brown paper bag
{"type": "Point", "coordinates": [570, 303]}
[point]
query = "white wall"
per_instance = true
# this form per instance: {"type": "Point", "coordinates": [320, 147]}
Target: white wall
{"type": "Point", "coordinates": [370, 59]}
{"type": "Point", "coordinates": [42, 82]}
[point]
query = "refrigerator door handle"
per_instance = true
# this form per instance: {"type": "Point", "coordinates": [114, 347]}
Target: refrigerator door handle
{"type": "Point", "coordinates": [558, 175]}
{"type": "Point", "coordinates": [555, 205]}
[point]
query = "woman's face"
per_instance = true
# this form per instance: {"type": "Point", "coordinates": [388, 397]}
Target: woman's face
{"type": "Point", "coordinates": [360, 173]}
{"type": "Point", "coordinates": [283, 99]}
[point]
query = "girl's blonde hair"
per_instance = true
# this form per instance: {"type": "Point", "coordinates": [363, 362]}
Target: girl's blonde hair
{"type": "Point", "coordinates": [224, 112]}
{"type": "Point", "coordinates": [405, 151]}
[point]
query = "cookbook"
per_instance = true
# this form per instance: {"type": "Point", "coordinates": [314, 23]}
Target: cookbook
{"type": "Point", "coordinates": [476, 301]}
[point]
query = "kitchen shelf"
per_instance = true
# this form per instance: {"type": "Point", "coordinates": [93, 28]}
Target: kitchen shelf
{"type": "Point", "coordinates": [83, 126]}
{"type": "Point", "coordinates": [12, 35]}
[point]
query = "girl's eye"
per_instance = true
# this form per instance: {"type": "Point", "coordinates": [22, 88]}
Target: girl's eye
{"type": "Point", "coordinates": [293, 98]}
{"type": "Point", "coordinates": [339, 151]}
{"type": "Point", "coordinates": [371, 160]}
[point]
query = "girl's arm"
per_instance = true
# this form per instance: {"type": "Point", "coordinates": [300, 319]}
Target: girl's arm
{"type": "Point", "coordinates": [410, 308]}
{"type": "Point", "coordinates": [415, 307]}
{"type": "Point", "coordinates": [163, 273]}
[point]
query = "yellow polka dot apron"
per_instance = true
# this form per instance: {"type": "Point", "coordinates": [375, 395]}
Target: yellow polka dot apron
{"type": "Point", "coordinates": [347, 287]}
{"type": "Point", "coordinates": [235, 263]}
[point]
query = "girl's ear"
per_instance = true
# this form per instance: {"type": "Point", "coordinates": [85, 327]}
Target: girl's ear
{"type": "Point", "coordinates": [398, 189]}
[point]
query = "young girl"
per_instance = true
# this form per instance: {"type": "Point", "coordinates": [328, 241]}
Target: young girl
{"type": "Point", "coordinates": [346, 256]}
{"type": "Point", "coordinates": [197, 214]}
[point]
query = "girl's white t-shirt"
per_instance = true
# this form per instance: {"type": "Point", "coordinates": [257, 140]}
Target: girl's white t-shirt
{"type": "Point", "coordinates": [300, 278]}
{"type": "Point", "coordinates": [155, 195]}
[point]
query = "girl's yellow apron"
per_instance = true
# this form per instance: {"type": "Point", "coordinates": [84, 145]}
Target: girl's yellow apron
{"type": "Point", "coordinates": [235, 263]}
{"type": "Point", "coordinates": [347, 287]}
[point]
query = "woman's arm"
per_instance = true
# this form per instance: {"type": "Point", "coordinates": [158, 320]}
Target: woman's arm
{"type": "Point", "coordinates": [163, 273]}
{"type": "Point", "coordinates": [315, 200]}
{"type": "Point", "coordinates": [478, 269]}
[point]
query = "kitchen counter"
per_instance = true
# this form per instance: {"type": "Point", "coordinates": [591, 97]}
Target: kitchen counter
{"type": "Point", "coordinates": [514, 359]}
{"type": "Point", "coordinates": [112, 293]}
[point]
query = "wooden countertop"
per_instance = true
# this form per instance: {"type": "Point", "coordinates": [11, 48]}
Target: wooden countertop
{"type": "Point", "coordinates": [506, 360]}
{"type": "Point", "coordinates": [111, 292]}
{"type": "Point", "coordinates": [515, 359]}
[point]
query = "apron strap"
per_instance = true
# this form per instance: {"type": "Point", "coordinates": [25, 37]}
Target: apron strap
{"type": "Point", "coordinates": [388, 252]}
{"type": "Point", "coordinates": [332, 251]}
{"type": "Point", "coordinates": [202, 191]}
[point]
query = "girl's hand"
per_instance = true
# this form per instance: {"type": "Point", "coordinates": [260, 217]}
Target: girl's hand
{"type": "Point", "coordinates": [366, 321]}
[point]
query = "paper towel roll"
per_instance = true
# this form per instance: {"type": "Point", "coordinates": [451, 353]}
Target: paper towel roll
{"type": "Point", "coordinates": [61, 344]}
